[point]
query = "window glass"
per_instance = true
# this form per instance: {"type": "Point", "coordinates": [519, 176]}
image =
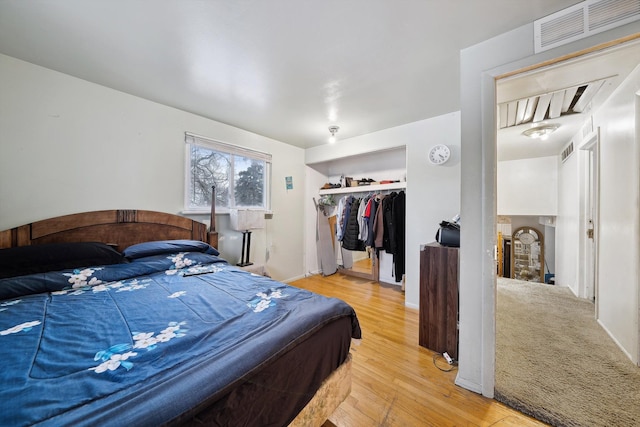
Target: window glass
{"type": "Point", "coordinates": [241, 177]}
{"type": "Point", "coordinates": [249, 182]}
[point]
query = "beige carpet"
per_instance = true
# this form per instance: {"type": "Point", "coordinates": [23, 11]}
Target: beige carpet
{"type": "Point", "coordinates": [555, 363]}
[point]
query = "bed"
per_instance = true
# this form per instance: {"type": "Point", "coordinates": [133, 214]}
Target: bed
{"type": "Point", "coordinates": [131, 317]}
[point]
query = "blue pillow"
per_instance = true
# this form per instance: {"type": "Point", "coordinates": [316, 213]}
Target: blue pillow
{"type": "Point", "coordinates": [160, 247]}
{"type": "Point", "coordinates": [24, 260]}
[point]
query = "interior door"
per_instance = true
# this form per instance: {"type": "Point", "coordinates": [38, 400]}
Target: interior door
{"type": "Point", "coordinates": [590, 260]}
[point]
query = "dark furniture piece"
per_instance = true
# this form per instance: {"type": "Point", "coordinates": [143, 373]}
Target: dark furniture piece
{"type": "Point", "coordinates": [438, 329]}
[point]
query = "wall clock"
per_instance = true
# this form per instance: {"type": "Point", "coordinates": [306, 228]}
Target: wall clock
{"type": "Point", "coordinates": [439, 154]}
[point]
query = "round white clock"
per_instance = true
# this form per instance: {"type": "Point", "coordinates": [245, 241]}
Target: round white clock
{"type": "Point", "coordinates": [439, 154]}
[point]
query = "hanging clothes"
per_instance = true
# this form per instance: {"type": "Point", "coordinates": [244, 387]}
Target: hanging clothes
{"type": "Point", "coordinates": [398, 218]}
{"type": "Point", "coordinates": [350, 239]}
{"type": "Point", "coordinates": [324, 242]}
{"type": "Point", "coordinates": [389, 230]}
{"type": "Point", "coordinates": [363, 227]}
{"type": "Point", "coordinates": [371, 215]}
{"type": "Point", "coordinates": [388, 237]}
{"type": "Point", "coordinates": [344, 215]}
{"type": "Point", "coordinates": [339, 218]}
{"type": "Point", "coordinates": [378, 226]}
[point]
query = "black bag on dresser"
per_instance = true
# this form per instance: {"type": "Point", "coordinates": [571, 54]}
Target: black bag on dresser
{"type": "Point", "coordinates": [448, 234]}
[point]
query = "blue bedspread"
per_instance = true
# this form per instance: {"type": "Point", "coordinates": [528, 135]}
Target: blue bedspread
{"type": "Point", "coordinates": [139, 343]}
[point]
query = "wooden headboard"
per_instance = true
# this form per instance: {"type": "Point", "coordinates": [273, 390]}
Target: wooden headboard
{"type": "Point", "coordinates": [120, 228]}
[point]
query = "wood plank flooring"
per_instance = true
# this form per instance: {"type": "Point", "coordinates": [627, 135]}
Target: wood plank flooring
{"type": "Point", "coordinates": [395, 381]}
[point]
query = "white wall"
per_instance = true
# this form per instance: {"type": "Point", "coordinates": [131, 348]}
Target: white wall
{"type": "Point", "coordinates": [527, 189]}
{"type": "Point", "coordinates": [619, 219]}
{"type": "Point", "coordinates": [433, 192]}
{"type": "Point", "coordinates": [619, 216]}
{"type": "Point", "coordinates": [528, 186]}
{"type": "Point", "coordinates": [67, 145]}
{"type": "Point", "coordinates": [568, 222]}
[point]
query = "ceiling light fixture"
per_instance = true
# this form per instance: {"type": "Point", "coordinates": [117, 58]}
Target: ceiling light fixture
{"type": "Point", "coordinates": [333, 129]}
{"type": "Point", "coordinates": [541, 132]}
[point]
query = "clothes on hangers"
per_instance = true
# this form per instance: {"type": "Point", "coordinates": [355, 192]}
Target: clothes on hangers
{"type": "Point", "coordinates": [398, 212]}
{"type": "Point", "coordinates": [370, 214]}
{"type": "Point", "coordinates": [324, 242]}
{"type": "Point", "coordinates": [374, 221]}
{"type": "Point", "coordinates": [363, 229]}
{"type": "Point", "coordinates": [378, 226]}
{"type": "Point", "coordinates": [389, 230]}
{"type": "Point", "coordinates": [350, 238]}
{"type": "Point", "coordinates": [340, 222]}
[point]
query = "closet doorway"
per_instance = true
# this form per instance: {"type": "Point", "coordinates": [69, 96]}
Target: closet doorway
{"type": "Point", "coordinates": [380, 172]}
{"type": "Point", "coordinates": [368, 225]}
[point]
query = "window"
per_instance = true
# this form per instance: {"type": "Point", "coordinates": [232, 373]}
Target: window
{"type": "Point", "coordinates": [241, 176]}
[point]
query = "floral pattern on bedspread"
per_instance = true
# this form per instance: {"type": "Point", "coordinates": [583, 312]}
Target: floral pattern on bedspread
{"type": "Point", "coordinates": [119, 286]}
{"type": "Point", "coordinates": [110, 277]}
{"type": "Point", "coordinates": [118, 355]}
{"type": "Point", "coordinates": [265, 299]}
{"type": "Point", "coordinates": [22, 327]}
{"type": "Point", "coordinates": [80, 278]}
{"type": "Point", "coordinates": [6, 304]}
{"type": "Point", "coordinates": [26, 327]}
{"type": "Point", "coordinates": [107, 337]}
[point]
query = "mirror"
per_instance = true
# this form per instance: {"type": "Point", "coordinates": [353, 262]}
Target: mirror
{"type": "Point", "coordinates": [527, 255]}
{"type": "Point", "coordinates": [360, 264]}
{"type": "Point", "coordinates": [332, 256]}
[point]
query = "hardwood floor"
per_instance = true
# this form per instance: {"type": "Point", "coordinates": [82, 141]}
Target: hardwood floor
{"type": "Point", "coordinates": [362, 266]}
{"type": "Point", "coordinates": [395, 381]}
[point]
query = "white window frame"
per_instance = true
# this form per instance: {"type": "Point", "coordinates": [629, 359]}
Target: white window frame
{"type": "Point", "coordinates": [233, 150]}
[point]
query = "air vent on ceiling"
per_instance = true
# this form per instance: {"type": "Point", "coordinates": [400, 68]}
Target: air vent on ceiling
{"type": "Point", "coordinates": [567, 152]}
{"type": "Point", "coordinates": [582, 20]}
{"type": "Point", "coordinates": [575, 99]}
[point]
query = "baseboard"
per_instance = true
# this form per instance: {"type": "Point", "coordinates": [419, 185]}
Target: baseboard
{"type": "Point", "coordinates": [617, 342]}
{"type": "Point", "coordinates": [469, 385]}
{"type": "Point", "coordinates": [411, 305]}
{"type": "Point", "coordinates": [293, 279]}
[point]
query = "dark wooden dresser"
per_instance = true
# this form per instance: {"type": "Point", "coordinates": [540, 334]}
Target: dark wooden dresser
{"type": "Point", "coordinates": [438, 328]}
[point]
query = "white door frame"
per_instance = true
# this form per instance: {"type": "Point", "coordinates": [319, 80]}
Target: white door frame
{"type": "Point", "coordinates": [590, 202]}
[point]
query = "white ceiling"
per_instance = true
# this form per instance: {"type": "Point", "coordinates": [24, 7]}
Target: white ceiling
{"type": "Point", "coordinates": [285, 69]}
{"type": "Point", "coordinates": [612, 65]}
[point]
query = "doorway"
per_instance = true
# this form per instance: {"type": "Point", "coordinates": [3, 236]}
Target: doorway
{"type": "Point", "coordinates": [589, 219]}
{"type": "Point", "coordinates": [586, 223]}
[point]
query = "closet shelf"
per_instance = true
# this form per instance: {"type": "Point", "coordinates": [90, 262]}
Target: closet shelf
{"type": "Point", "coordinates": [365, 188]}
